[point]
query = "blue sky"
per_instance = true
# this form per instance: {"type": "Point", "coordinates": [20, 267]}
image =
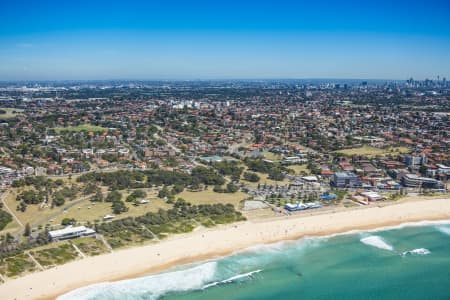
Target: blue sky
{"type": "Point", "coordinates": [47, 40]}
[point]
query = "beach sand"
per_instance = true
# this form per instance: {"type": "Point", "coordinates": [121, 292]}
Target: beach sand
{"type": "Point", "coordinates": [209, 243]}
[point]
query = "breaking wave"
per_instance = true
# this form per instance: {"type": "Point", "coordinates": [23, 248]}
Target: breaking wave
{"type": "Point", "coordinates": [376, 241]}
{"type": "Point", "coordinates": [150, 287]}
{"type": "Point", "coordinates": [236, 278]}
{"type": "Point", "coordinates": [444, 229]}
{"type": "Point", "coordinates": [418, 251]}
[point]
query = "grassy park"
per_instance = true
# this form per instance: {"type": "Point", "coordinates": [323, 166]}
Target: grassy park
{"type": "Point", "coordinates": [372, 151]}
{"type": "Point", "coordinates": [209, 197]}
{"type": "Point", "coordinates": [300, 169]}
{"type": "Point", "coordinates": [9, 113]}
{"type": "Point", "coordinates": [263, 179]}
{"type": "Point", "coordinates": [83, 127]}
{"type": "Point", "coordinates": [89, 211]}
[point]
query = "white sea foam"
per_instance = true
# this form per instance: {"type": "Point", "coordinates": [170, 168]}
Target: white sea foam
{"type": "Point", "coordinates": [303, 243]}
{"type": "Point", "coordinates": [443, 229]}
{"type": "Point", "coordinates": [266, 248]}
{"type": "Point", "coordinates": [418, 251]}
{"type": "Point", "coordinates": [376, 241]}
{"type": "Point", "coordinates": [232, 279]}
{"type": "Point", "coordinates": [316, 240]}
{"type": "Point", "coordinates": [155, 286]}
{"type": "Point", "coordinates": [152, 286]}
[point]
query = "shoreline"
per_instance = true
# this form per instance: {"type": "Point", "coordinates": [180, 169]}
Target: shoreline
{"type": "Point", "coordinates": [218, 242]}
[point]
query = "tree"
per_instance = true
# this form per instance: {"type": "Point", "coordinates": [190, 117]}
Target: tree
{"type": "Point", "coordinates": [114, 196]}
{"type": "Point", "coordinates": [207, 176]}
{"type": "Point", "coordinates": [68, 221]}
{"type": "Point", "coordinates": [5, 218]}
{"type": "Point", "coordinates": [252, 177]}
{"type": "Point", "coordinates": [58, 200]}
{"type": "Point", "coordinates": [164, 192]}
{"type": "Point", "coordinates": [22, 207]}
{"type": "Point", "coordinates": [177, 188]}
{"type": "Point", "coordinates": [231, 188]}
{"type": "Point", "coordinates": [218, 189]}
{"type": "Point", "coordinates": [90, 188]}
{"type": "Point", "coordinates": [27, 231]}
{"type": "Point", "coordinates": [119, 207]}
{"type": "Point", "coordinates": [276, 174]}
{"type": "Point", "coordinates": [98, 197]}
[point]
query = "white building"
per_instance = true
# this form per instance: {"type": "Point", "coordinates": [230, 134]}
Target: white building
{"type": "Point", "coordinates": [70, 232]}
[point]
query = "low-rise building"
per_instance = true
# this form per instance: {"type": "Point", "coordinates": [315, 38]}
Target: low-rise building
{"type": "Point", "coordinates": [70, 232]}
{"type": "Point", "coordinates": [412, 180]}
{"type": "Point", "coordinates": [346, 179]}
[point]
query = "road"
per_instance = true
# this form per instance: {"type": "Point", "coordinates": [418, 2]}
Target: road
{"type": "Point", "coordinates": [59, 210]}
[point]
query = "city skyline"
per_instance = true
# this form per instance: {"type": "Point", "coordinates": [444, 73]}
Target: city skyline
{"type": "Point", "coordinates": [201, 40]}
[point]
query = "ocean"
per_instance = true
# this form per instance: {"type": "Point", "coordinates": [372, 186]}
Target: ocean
{"type": "Point", "coordinates": [411, 261]}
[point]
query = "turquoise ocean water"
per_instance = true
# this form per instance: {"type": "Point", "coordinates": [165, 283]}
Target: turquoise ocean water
{"type": "Point", "coordinates": [406, 262]}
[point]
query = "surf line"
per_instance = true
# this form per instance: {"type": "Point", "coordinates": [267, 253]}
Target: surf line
{"type": "Point", "coordinates": [232, 279]}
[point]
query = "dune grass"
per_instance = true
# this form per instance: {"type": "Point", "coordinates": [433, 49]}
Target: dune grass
{"type": "Point", "coordinates": [16, 265]}
{"type": "Point", "coordinates": [56, 254]}
{"type": "Point", "coordinates": [90, 246]}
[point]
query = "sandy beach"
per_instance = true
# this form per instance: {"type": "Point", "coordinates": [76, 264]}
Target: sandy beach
{"type": "Point", "coordinates": [214, 242]}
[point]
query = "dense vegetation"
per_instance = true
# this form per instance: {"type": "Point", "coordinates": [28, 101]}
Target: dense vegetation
{"type": "Point", "coordinates": [181, 218]}
{"type": "Point", "coordinates": [229, 168]}
{"type": "Point", "coordinates": [229, 188]}
{"type": "Point", "coordinates": [5, 218]}
{"type": "Point", "coordinates": [16, 265]}
{"type": "Point", "coordinates": [252, 177]}
{"type": "Point", "coordinates": [275, 171]}
{"type": "Point", "coordinates": [43, 189]}
{"type": "Point", "coordinates": [118, 206]}
{"type": "Point", "coordinates": [55, 255]}
{"type": "Point", "coordinates": [120, 180]}
{"type": "Point", "coordinates": [9, 246]}
{"type": "Point", "coordinates": [135, 195]}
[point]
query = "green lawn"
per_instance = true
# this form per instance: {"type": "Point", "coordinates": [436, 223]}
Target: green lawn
{"type": "Point", "coordinates": [272, 156]}
{"type": "Point", "coordinates": [372, 151]}
{"type": "Point", "coordinates": [210, 197]}
{"type": "Point", "coordinates": [89, 211]}
{"type": "Point", "coordinates": [83, 127]}
{"type": "Point", "coordinates": [10, 113]}
{"type": "Point", "coordinates": [264, 179]}
{"type": "Point", "coordinates": [299, 169]}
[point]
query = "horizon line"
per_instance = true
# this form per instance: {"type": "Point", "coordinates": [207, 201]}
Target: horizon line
{"type": "Point", "coordinates": [215, 79]}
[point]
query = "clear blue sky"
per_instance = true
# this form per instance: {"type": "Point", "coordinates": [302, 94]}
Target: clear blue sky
{"type": "Point", "coordinates": [41, 40]}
